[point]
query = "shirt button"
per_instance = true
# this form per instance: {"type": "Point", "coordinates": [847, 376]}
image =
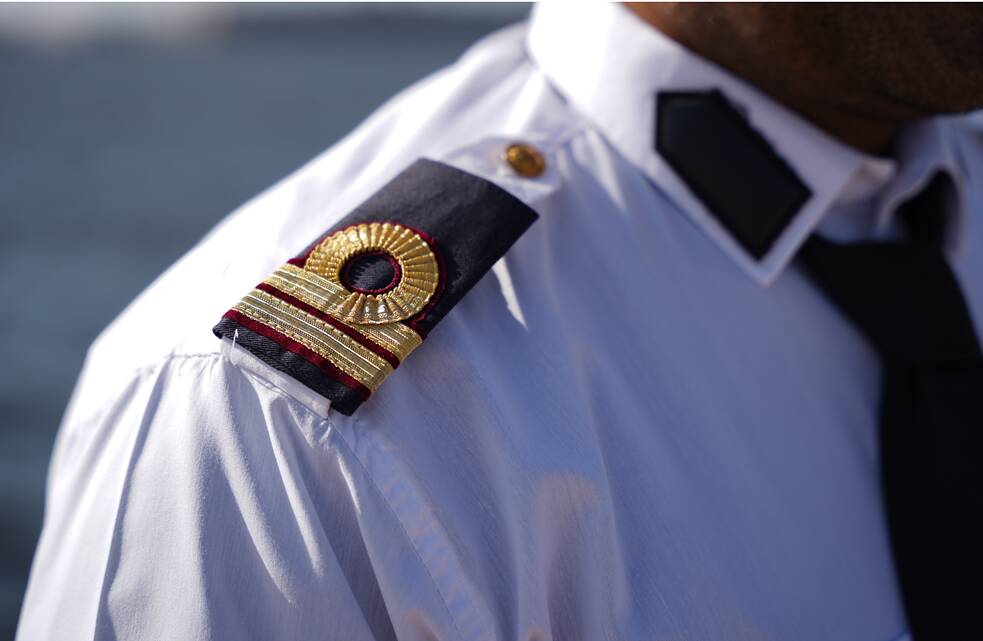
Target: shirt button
{"type": "Point", "coordinates": [525, 160]}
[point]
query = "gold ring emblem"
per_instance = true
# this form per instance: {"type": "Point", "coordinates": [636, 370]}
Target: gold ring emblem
{"type": "Point", "coordinates": [418, 276]}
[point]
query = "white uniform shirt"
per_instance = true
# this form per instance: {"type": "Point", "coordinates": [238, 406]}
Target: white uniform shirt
{"type": "Point", "coordinates": [629, 430]}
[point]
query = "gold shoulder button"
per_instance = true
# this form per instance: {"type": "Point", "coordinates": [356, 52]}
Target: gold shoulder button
{"type": "Point", "coordinates": [525, 160]}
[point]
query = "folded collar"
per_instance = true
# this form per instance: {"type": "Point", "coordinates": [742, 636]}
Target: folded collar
{"type": "Point", "coordinates": [610, 65]}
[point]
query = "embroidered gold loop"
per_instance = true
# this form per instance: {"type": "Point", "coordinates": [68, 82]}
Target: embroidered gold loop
{"type": "Point", "coordinates": [418, 278]}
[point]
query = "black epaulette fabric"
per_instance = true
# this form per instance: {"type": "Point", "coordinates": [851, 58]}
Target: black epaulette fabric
{"type": "Point", "coordinates": [343, 315]}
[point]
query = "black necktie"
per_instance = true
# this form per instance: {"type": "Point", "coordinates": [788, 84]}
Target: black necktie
{"type": "Point", "coordinates": [905, 299]}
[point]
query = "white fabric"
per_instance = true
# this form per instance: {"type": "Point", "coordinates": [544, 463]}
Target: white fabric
{"type": "Point", "coordinates": [616, 435]}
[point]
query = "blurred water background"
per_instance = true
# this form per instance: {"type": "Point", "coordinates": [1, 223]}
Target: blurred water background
{"type": "Point", "coordinates": [126, 133]}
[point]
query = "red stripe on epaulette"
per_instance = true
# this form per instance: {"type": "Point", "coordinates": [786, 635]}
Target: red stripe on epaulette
{"type": "Point", "coordinates": [310, 356]}
{"type": "Point", "coordinates": [337, 324]}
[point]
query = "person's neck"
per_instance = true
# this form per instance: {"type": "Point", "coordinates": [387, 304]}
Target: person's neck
{"type": "Point", "coordinates": [870, 135]}
{"type": "Point", "coordinates": [806, 89]}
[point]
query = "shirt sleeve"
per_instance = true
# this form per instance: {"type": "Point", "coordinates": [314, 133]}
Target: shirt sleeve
{"type": "Point", "coordinates": [204, 503]}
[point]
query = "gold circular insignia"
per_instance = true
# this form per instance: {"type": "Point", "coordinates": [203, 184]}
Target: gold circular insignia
{"type": "Point", "coordinates": [414, 283]}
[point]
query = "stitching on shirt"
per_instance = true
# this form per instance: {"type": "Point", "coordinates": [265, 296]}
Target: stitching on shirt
{"type": "Point", "coordinates": [283, 394]}
{"type": "Point", "coordinates": [218, 356]}
{"type": "Point", "coordinates": [372, 484]}
{"type": "Point", "coordinates": [279, 391]}
{"type": "Point", "coordinates": [143, 369]}
{"type": "Point", "coordinates": [133, 375]}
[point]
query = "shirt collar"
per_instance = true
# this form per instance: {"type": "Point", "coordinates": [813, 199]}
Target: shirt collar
{"type": "Point", "coordinates": [610, 65]}
{"type": "Point", "coordinates": [927, 148]}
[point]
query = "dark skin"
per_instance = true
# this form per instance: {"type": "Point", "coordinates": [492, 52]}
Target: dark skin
{"type": "Point", "coordinates": [859, 71]}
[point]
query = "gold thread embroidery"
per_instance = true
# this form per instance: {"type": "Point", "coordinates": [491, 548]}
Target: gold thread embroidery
{"type": "Point", "coordinates": [289, 313]}
{"type": "Point", "coordinates": [374, 316]}
{"type": "Point", "coordinates": [349, 356]}
{"type": "Point", "coordinates": [308, 286]}
{"type": "Point", "coordinates": [315, 291]}
{"type": "Point", "coordinates": [346, 362]}
{"type": "Point", "coordinates": [420, 273]}
{"type": "Point", "coordinates": [395, 337]}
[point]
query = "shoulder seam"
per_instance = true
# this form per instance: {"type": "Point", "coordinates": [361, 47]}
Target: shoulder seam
{"type": "Point", "coordinates": [402, 527]}
{"type": "Point", "coordinates": [149, 367]}
{"type": "Point", "coordinates": [217, 355]}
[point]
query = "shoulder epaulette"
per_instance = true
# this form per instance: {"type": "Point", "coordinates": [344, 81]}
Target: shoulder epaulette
{"type": "Point", "coordinates": [344, 314]}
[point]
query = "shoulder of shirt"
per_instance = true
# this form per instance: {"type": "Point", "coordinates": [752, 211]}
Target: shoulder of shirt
{"type": "Point", "coordinates": [458, 116]}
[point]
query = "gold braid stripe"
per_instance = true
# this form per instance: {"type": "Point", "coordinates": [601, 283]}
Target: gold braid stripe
{"type": "Point", "coordinates": [354, 359]}
{"type": "Point", "coordinates": [318, 292]}
{"type": "Point", "coordinates": [396, 338]}
{"type": "Point", "coordinates": [312, 289]}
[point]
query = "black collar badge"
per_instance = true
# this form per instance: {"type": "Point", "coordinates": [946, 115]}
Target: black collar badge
{"type": "Point", "coordinates": [729, 166]}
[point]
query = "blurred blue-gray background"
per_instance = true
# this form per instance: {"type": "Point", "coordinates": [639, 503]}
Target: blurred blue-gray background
{"type": "Point", "coordinates": [126, 133]}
